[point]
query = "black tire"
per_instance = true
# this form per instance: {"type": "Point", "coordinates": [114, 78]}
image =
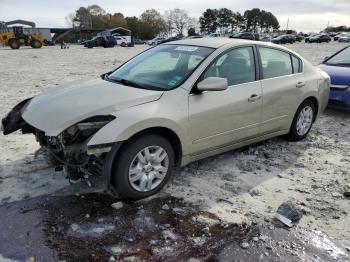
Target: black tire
{"type": "Point", "coordinates": [123, 44]}
{"type": "Point", "coordinates": [35, 43]}
{"type": "Point", "coordinates": [14, 43]}
{"type": "Point", "coordinates": [120, 170]}
{"type": "Point", "coordinates": [293, 133]}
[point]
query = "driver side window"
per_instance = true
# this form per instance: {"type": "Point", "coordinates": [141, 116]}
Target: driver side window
{"type": "Point", "coordinates": [237, 66]}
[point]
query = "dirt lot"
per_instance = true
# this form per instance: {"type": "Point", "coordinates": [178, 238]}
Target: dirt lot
{"type": "Point", "coordinates": [213, 205]}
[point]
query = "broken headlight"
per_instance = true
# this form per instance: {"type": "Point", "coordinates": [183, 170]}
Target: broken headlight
{"type": "Point", "coordinates": [82, 131]}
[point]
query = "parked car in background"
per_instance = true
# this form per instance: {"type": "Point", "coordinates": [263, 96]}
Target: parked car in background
{"type": "Point", "coordinates": [156, 41]}
{"type": "Point", "coordinates": [170, 39]}
{"type": "Point", "coordinates": [339, 35]}
{"type": "Point", "coordinates": [104, 41]}
{"type": "Point", "coordinates": [299, 38]}
{"type": "Point", "coordinates": [307, 37]}
{"type": "Point", "coordinates": [139, 41]}
{"type": "Point", "coordinates": [265, 38]}
{"type": "Point", "coordinates": [193, 37]}
{"type": "Point", "coordinates": [283, 39]}
{"type": "Point", "coordinates": [246, 35]}
{"type": "Point", "coordinates": [338, 68]}
{"type": "Point", "coordinates": [321, 38]}
{"type": "Point", "coordinates": [171, 105]}
{"type": "Point", "coordinates": [214, 35]}
{"type": "Point", "coordinates": [344, 39]}
{"type": "Point", "coordinates": [332, 34]}
{"type": "Point", "coordinates": [120, 40]}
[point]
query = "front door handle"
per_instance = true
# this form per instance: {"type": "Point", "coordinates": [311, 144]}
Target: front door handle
{"type": "Point", "coordinates": [254, 98]}
{"type": "Point", "coordinates": [300, 84]}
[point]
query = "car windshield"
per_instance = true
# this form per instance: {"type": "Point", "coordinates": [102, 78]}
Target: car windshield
{"type": "Point", "coordinates": [342, 58]}
{"type": "Point", "coordinates": [162, 68]}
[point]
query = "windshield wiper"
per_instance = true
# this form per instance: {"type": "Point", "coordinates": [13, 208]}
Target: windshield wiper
{"type": "Point", "coordinates": [125, 82]}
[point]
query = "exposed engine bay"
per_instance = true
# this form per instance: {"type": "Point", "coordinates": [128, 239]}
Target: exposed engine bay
{"type": "Point", "coordinates": [67, 152]}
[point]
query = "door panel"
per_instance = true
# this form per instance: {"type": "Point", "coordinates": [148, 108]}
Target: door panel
{"type": "Point", "coordinates": [224, 117]}
{"type": "Point", "coordinates": [282, 86]}
{"type": "Point", "coordinates": [281, 96]}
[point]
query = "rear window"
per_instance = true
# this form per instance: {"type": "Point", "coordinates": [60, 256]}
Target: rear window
{"type": "Point", "coordinates": [296, 64]}
{"type": "Point", "coordinates": [275, 63]}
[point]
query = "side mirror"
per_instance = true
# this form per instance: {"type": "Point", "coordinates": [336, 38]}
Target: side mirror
{"type": "Point", "coordinates": [213, 84]}
{"type": "Point", "coordinates": [326, 58]}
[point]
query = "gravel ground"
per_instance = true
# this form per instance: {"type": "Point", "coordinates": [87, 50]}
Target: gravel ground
{"type": "Point", "coordinates": [244, 186]}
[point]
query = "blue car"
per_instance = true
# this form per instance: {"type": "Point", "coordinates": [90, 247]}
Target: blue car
{"type": "Point", "coordinates": [338, 68]}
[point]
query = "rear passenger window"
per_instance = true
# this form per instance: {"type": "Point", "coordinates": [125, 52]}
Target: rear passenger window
{"type": "Point", "coordinates": [296, 65]}
{"type": "Point", "coordinates": [275, 63]}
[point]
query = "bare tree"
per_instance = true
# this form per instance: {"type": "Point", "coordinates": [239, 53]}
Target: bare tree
{"type": "Point", "coordinates": [169, 20]}
{"type": "Point", "coordinates": [70, 20]}
{"type": "Point", "coordinates": [177, 19]}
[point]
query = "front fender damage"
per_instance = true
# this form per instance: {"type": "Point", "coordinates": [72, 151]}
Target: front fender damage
{"type": "Point", "coordinates": [14, 121]}
{"type": "Point", "coordinates": [69, 151]}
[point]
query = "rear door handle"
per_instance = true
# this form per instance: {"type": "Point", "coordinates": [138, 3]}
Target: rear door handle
{"type": "Point", "coordinates": [254, 98]}
{"type": "Point", "coordinates": [300, 84]}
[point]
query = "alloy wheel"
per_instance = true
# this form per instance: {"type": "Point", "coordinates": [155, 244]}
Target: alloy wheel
{"type": "Point", "coordinates": [304, 121]}
{"type": "Point", "coordinates": [148, 168]}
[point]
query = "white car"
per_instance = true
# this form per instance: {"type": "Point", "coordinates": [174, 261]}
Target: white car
{"type": "Point", "coordinates": [156, 41]}
{"type": "Point", "coordinates": [120, 40]}
{"type": "Point", "coordinates": [344, 39]}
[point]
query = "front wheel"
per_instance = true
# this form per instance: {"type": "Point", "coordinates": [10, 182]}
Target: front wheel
{"type": "Point", "coordinates": [142, 167]}
{"type": "Point", "coordinates": [303, 120]}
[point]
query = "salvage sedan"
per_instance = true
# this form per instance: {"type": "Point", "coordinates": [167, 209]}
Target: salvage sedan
{"type": "Point", "coordinates": [338, 67]}
{"type": "Point", "coordinates": [170, 105]}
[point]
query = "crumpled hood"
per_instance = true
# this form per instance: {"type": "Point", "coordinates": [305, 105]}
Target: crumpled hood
{"type": "Point", "coordinates": [340, 75]}
{"type": "Point", "coordinates": [57, 109]}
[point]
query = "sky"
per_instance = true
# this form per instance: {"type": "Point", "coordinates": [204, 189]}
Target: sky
{"type": "Point", "coordinates": [303, 15]}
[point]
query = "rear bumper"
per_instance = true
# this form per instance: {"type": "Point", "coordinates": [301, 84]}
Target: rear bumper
{"type": "Point", "coordinates": [339, 98]}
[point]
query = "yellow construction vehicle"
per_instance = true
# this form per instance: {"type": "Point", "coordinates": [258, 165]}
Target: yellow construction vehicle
{"type": "Point", "coordinates": [15, 37]}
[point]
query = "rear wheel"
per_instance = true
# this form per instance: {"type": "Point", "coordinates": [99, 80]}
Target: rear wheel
{"type": "Point", "coordinates": [14, 43]}
{"type": "Point", "coordinates": [123, 44]}
{"type": "Point", "coordinates": [142, 167]}
{"type": "Point", "coordinates": [303, 120]}
{"type": "Point", "coordinates": [35, 43]}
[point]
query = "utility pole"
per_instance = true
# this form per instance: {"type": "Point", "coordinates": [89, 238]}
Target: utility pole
{"type": "Point", "coordinates": [287, 23]}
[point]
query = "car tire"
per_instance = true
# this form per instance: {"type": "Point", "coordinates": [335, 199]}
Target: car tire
{"type": "Point", "coordinates": [129, 182]}
{"type": "Point", "coordinates": [123, 44]}
{"type": "Point", "coordinates": [303, 120]}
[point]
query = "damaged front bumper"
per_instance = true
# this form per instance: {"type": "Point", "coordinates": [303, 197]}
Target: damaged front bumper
{"type": "Point", "coordinates": [68, 152]}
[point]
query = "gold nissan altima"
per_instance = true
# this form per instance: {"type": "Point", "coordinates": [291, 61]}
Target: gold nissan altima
{"type": "Point", "coordinates": [171, 105]}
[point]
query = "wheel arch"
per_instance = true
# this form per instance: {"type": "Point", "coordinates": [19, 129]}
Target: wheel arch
{"type": "Point", "coordinates": [314, 100]}
{"type": "Point", "coordinates": [165, 132]}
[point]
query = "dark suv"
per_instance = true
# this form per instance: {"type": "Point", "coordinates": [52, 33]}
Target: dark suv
{"type": "Point", "coordinates": [284, 39]}
{"type": "Point", "coordinates": [104, 41]}
{"type": "Point", "coordinates": [246, 35]}
{"type": "Point", "coordinates": [323, 38]}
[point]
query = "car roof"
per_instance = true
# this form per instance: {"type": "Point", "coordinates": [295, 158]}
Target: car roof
{"type": "Point", "coordinates": [213, 42]}
{"type": "Point", "coordinates": [217, 42]}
